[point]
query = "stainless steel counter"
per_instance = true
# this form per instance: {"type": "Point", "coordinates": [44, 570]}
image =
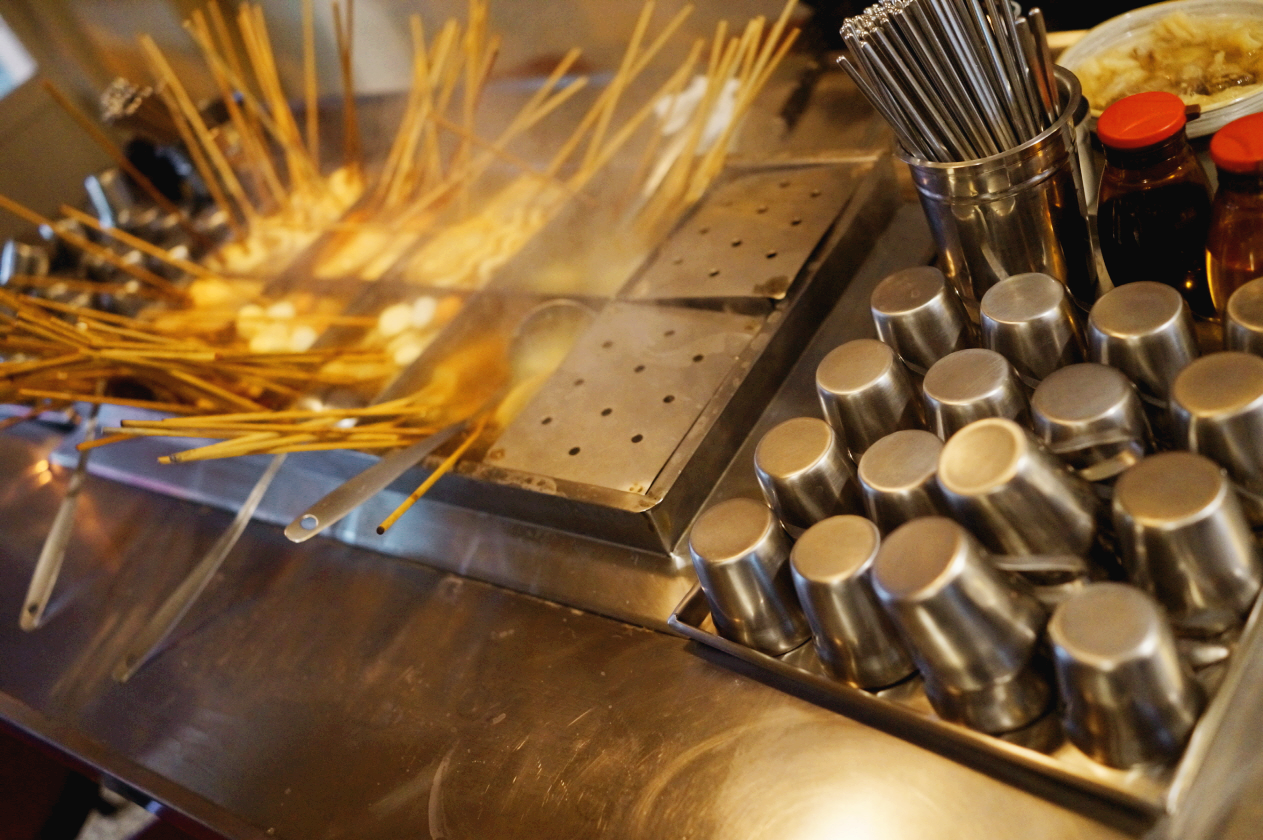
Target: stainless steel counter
{"type": "Point", "coordinates": [327, 691]}
{"type": "Point", "coordinates": [324, 691]}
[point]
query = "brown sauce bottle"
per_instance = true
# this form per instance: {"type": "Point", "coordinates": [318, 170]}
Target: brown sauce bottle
{"type": "Point", "coordinates": [1154, 203]}
{"type": "Point", "coordinates": [1234, 248]}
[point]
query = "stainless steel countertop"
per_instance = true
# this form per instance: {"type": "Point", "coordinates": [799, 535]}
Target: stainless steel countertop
{"type": "Point", "coordinates": [327, 691]}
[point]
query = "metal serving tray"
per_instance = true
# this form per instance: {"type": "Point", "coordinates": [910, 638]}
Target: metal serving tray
{"type": "Point", "coordinates": [688, 377]}
{"type": "Point", "coordinates": [1038, 753]}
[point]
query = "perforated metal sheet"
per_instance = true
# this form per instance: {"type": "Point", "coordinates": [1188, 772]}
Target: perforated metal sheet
{"type": "Point", "coordinates": [750, 237]}
{"type": "Point", "coordinates": [626, 396]}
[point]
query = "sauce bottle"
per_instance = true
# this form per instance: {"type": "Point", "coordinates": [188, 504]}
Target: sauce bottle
{"type": "Point", "coordinates": [1234, 247]}
{"type": "Point", "coordinates": [1154, 210]}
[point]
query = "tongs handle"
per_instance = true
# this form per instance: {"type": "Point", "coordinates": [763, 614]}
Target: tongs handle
{"type": "Point", "coordinates": [359, 489]}
{"type": "Point", "coordinates": [48, 567]}
{"type": "Point", "coordinates": [146, 643]}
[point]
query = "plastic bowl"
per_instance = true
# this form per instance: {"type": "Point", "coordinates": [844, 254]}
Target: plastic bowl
{"type": "Point", "coordinates": [1133, 27]}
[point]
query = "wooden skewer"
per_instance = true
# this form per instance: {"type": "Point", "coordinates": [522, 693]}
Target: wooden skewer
{"type": "Point", "coordinates": [231, 68]}
{"type": "Point", "coordinates": [165, 407]}
{"type": "Point", "coordinates": [49, 281]}
{"type": "Point", "coordinates": [310, 87]}
{"type": "Point", "coordinates": [201, 164]}
{"type": "Point", "coordinates": [142, 245]}
{"type": "Point", "coordinates": [304, 172]}
{"type": "Point", "coordinates": [252, 142]}
{"type": "Point", "coordinates": [162, 69]}
{"type": "Point", "coordinates": [105, 254]}
{"type": "Point", "coordinates": [123, 163]}
{"type": "Point", "coordinates": [439, 472]}
{"type": "Point", "coordinates": [12, 370]}
{"type": "Point", "coordinates": [618, 84]}
{"type": "Point", "coordinates": [343, 30]}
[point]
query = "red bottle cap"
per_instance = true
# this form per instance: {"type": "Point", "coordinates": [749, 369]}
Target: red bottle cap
{"type": "Point", "coordinates": [1140, 120]}
{"type": "Point", "coordinates": [1238, 146]}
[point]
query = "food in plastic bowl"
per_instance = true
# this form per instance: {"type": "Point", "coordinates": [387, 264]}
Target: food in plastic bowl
{"type": "Point", "coordinates": [1207, 52]}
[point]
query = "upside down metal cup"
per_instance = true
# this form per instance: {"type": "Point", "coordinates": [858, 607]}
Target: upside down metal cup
{"type": "Point", "coordinates": [1019, 211]}
{"type": "Point", "coordinates": [969, 385]}
{"type": "Point", "coordinates": [1013, 494]}
{"type": "Point", "coordinates": [853, 636]}
{"type": "Point", "coordinates": [741, 557]}
{"type": "Point", "coordinates": [1217, 411]}
{"type": "Point", "coordinates": [1091, 417]}
{"type": "Point", "coordinates": [1243, 320]}
{"type": "Point", "coordinates": [896, 478]}
{"type": "Point", "coordinates": [865, 394]}
{"type": "Point", "coordinates": [1030, 320]}
{"type": "Point", "coordinates": [920, 316]}
{"type": "Point", "coordinates": [804, 473]}
{"type": "Point", "coordinates": [1144, 329]}
{"type": "Point", "coordinates": [18, 259]}
{"type": "Point", "coordinates": [971, 629]}
{"type": "Point", "coordinates": [1127, 698]}
{"type": "Point", "coordinates": [1185, 539]}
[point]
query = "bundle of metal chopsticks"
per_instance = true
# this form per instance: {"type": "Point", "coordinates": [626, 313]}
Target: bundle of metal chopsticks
{"type": "Point", "coordinates": [957, 80]}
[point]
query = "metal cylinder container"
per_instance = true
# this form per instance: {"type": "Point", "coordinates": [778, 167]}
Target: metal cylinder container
{"type": "Point", "coordinates": [971, 628]}
{"type": "Point", "coordinates": [1127, 698]}
{"type": "Point", "coordinates": [1019, 211]}
{"type": "Point", "coordinates": [18, 259]}
{"type": "Point", "coordinates": [1091, 417]}
{"type": "Point", "coordinates": [866, 394]}
{"type": "Point", "coordinates": [1144, 329]}
{"type": "Point", "coordinates": [853, 637]}
{"type": "Point", "coordinates": [1184, 538]}
{"type": "Point", "coordinates": [920, 316]}
{"type": "Point", "coordinates": [1217, 410]}
{"type": "Point", "coordinates": [1243, 320]}
{"type": "Point", "coordinates": [1030, 320]}
{"type": "Point", "coordinates": [741, 557]}
{"type": "Point", "coordinates": [1013, 494]}
{"type": "Point", "coordinates": [969, 385]}
{"type": "Point", "coordinates": [896, 478]}
{"type": "Point", "coordinates": [804, 474]}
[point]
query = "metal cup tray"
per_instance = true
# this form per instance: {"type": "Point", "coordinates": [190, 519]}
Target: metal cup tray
{"type": "Point", "coordinates": [1031, 757]}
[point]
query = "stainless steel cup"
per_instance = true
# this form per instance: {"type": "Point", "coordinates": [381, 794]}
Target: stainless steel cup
{"type": "Point", "coordinates": [1013, 494]}
{"type": "Point", "coordinates": [1128, 699]}
{"type": "Point", "coordinates": [1030, 320]}
{"type": "Point", "coordinates": [18, 259]}
{"type": "Point", "coordinates": [896, 478]}
{"type": "Point", "coordinates": [804, 473]}
{"type": "Point", "coordinates": [1184, 538]}
{"type": "Point", "coordinates": [1091, 416]}
{"type": "Point", "coordinates": [969, 385]}
{"type": "Point", "coordinates": [853, 637]}
{"type": "Point", "coordinates": [114, 201]}
{"type": "Point", "coordinates": [971, 628]}
{"type": "Point", "coordinates": [1243, 320]}
{"type": "Point", "coordinates": [920, 316]}
{"type": "Point", "coordinates": [741, 557]}
{"type": "Point", "coordinates": [1145, 330]}
{"type": "Point", "coordinates": [1018, 211]}
{"type": "Point", "coordinates": [865, 394]}
{"type": "Point", "coordinates": [1217, 410]}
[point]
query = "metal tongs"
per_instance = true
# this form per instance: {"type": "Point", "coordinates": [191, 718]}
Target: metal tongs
{"type": "Point", "coordinates": [559, 319]}
{"type": "Point", "coordinates": [48, 567]}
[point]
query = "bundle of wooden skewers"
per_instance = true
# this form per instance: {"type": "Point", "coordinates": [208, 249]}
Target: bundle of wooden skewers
{"type": "Point", "coordinates": [424, 212]}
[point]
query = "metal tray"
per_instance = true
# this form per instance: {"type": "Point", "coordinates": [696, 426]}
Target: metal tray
{"type": "Point", "coordinates": [718, 362]}
{"type": "Point", "coordinates": [1031, 757]}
